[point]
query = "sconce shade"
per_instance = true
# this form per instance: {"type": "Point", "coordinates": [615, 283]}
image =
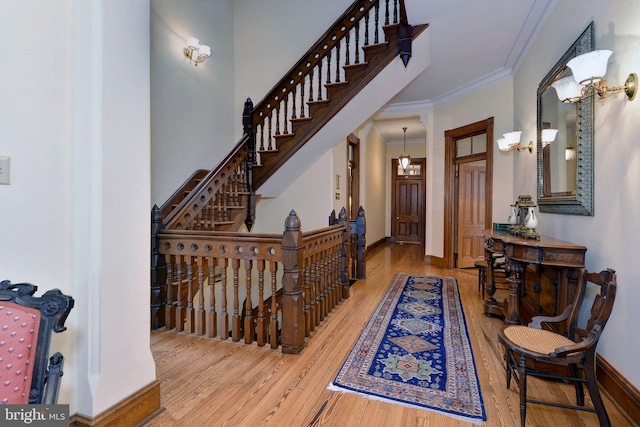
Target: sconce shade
{"type": "Point", "coordinates": [569, 153]}
{"type": "Point", "coordinates": [590, 66]}
{"type": "Point", "coordinates": [204, 50]}
{"type": "Point", "coordinates": [567, 89]}
{"type": "Point", "coordinates": [513, 138]}
{"type": "Point", "coordinates": [549, 135]}
{"type": "Point", "coordinates": [503, 145]}
{"type": "Point", "coordinates": [193, 42]}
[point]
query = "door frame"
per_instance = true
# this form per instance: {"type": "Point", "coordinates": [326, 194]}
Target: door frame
{"type": "Point", "coordinates": [353, 175]}
{"type": "Point", "coordinates": [450, 180]}
{"type": "Point", "coordinates": [422, 161]}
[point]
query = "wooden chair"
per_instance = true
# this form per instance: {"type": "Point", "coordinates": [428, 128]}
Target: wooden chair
{"type": "Point", "coordinates": [27, 374]}
{"type": "Point", "coordinates": [499, 273]}
{"type": "Point", "coordinates": [526, 345]}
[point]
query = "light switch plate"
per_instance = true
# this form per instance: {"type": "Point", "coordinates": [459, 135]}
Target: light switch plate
{"type": "Point", "coordinates": [4, 170]}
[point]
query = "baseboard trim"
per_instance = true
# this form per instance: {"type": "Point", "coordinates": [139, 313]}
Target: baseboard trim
{"type": "Point", "coordinates": [376, 244]}
{"type": "Point", "coordinates": [619, 389]}
{"type": "Point", "coordinates": [435, 261]}
{"type": "Point", "coordinates": [133, 410]}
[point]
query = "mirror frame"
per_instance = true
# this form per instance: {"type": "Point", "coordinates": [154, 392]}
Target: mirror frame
{"type": "Point", "coordinates": [581, 203]}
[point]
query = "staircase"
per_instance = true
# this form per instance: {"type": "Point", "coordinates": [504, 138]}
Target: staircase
{"type": "Point", "coordinates": [316, 104]}
{"type": "Point", "coordinates": [349, 73]}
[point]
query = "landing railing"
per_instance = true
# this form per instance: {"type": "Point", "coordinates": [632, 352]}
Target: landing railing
{"type": "Point", "coordinates": [264, 288]}
{"type": "Point", "coordinates": [358, 243]}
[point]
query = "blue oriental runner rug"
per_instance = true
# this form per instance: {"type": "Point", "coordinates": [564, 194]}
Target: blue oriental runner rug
{"type": "Point", "coordinates": [415, 351]}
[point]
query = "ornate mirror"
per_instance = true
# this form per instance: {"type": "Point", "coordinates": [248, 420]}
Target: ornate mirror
{"type": "Point", "coordinates": [565, 166]}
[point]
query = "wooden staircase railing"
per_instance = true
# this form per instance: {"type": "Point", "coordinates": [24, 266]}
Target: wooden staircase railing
{"type": "Point", "coordinates": [341, 63]}
{"type": "Point", "coordinates": [320, 84]}
{"type": "Point", "coordinates": [208, 274]}
{"type": "Point", "coordinates": [192, 235]}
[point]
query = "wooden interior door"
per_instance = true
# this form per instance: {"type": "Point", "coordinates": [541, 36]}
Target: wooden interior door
{"type": "Point", "coordinates": [471, 214]}
{"type": "Point", "coordinates": [407, 209]}
{"type": "Point", "coordinates": [454, 156]}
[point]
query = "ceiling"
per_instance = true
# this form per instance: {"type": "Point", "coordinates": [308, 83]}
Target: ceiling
{"type": "Point", "coordinates": [473, 44]}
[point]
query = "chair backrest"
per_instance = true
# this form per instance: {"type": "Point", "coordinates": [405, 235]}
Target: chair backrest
{"type": "Point", "coordinates": [601, 307]}
{"type": "Point", "coordinates": [26, 323]}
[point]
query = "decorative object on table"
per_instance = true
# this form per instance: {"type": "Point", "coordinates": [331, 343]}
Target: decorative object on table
{"type": "Point", "coordinates": [513, 215]}
{"type": "Point", "coordinates": [523, 208]}
{"type": "Point", "coordinates": [531, 222]}
{"type": "Point", "coordinates": [415, 351]}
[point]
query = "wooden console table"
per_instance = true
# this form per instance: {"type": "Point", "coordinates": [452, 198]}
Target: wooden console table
{"type": "Point", "coordinates": [542, 275]}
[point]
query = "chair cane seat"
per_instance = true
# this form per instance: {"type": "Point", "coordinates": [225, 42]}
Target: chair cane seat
{"type": "Point", "coordinates": [536, 340]}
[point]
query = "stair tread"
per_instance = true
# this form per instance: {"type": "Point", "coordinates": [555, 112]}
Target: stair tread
{"type": "Point", "coordinates": [318, 101]}
{"type": "Point", "coordinates": [360, 64]}
{"type": "Point", "coordinates": [300, 119]}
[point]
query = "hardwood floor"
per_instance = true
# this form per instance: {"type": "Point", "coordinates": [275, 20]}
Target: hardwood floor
{"type": "Point", "coordinates": [209, 382]}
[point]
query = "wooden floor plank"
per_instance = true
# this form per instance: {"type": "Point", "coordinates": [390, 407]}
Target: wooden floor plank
{"type": "Point", "coordinates": [210, 382]}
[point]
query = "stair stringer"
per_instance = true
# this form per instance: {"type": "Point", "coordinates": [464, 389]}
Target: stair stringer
{"type": "Point", "coordinates": [388, 83]}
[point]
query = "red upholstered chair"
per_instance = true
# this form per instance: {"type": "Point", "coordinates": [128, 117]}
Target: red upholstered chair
{"type": "Point", "coordinates": [526, 345]}
{"type": "Point", "coordinates": [27, 374]}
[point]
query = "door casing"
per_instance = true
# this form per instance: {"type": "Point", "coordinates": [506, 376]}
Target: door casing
{"type": "Point", "coordinates": [421, 203]}
{"type": "Point", "coordinates": [450, 190]}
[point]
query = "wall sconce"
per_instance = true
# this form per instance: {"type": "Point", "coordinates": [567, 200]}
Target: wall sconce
{"type": "Point", "coordinates": [405, 159]}
{"type": "Point", "coordinates": [511, 141]}
{"type": "Point", "coordinates": [588, 79]}
{"type": "Point", "coordinates": [569, 153]}
{"type": "Point", "coordinates": [196, 52]}
{"type": "Point", "coordinates": [548, 136]}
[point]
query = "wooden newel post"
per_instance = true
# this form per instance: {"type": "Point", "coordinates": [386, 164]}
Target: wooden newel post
{"type": "Point", "coordinates": [361, 252]}
{"type": "Point", "coordinates": [158, 272]}
{"type": "Point", "coordinates": [344, 254]}
{"type": "Point", "coordinates": [292, 298]}
{"type": "Point", "coordinates": [247, 128]}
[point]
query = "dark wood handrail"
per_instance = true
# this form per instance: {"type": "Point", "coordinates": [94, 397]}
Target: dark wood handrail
{"type": "Point", "coordinates": [312, 57]}
{"type": "Point", "coordinates": [186, 187]}
{"type": "Point", "coordinates": [181, 217]}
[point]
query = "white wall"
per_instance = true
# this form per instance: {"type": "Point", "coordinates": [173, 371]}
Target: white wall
{"type": "Point", "coordinates": [270, 36]}
{"type": "Point", "coordinates": [612, 233]}
{"type": "Point", "coordinates": [310, 196]}
{"type": "Point", "coordinates": [494, 101]}
{"type": "Point", "coordinates": [75, 121]}
{"type": "Point", "coordinates": [195, 117]}
{"type": "Point", "coordinates": [373, 172]}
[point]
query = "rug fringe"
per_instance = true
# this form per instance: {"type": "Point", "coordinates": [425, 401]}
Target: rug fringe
{"type": "Point", "coordinates": [474, 421]}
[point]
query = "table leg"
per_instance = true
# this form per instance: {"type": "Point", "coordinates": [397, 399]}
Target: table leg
{"type": "Point", "coordinates": [491, 307]}
{"type": "Point", "coordinates": [514, 278]}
